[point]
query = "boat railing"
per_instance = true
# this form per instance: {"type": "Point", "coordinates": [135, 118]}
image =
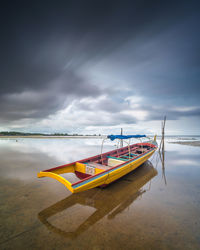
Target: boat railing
{"type": "Point", "coordinates": [117, 149]}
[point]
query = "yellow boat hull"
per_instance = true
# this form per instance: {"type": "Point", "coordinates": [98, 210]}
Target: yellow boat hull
{"type": "Point", "coordinates": [100, 178]}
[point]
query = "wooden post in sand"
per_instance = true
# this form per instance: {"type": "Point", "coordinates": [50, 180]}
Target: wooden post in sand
{"type": "Point", "coordinates": [162, 150]}
{"type": "Point", "coordinates": [162, 143]}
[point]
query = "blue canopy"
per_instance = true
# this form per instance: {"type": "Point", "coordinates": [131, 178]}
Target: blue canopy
{"type": "Point", "coordinates": [113, 137]}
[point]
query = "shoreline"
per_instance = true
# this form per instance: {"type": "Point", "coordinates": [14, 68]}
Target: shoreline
{"type": "Point", "coordinates": [51, 137]}
{"type": "Point", "coordinates": [188, 143]}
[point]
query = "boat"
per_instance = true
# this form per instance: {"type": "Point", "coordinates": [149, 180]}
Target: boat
{"type": "Point", "coordinates": [105, 168]}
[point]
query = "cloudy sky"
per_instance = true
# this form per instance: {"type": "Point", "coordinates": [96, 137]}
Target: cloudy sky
{"type": "Point", "coordinates": [96, 66]}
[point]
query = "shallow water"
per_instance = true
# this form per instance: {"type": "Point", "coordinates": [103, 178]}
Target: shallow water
{"type": "Point", "coordinates": [147, 209]}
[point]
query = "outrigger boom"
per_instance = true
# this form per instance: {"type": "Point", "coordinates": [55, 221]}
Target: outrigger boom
{"type": "Point", "coordinates": [102, 169]}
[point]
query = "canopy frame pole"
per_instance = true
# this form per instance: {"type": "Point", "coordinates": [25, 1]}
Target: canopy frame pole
{"type": "Point", "coordinates": [118, 148]}
{"type": "Point", "coordinates": [121, 142]}
{"type": "Point", "coordinates": [141, 142]}
{"type": "Point", "coordinates": [102, 150]}
{"type": "Point", "coordinates": [128, 149]}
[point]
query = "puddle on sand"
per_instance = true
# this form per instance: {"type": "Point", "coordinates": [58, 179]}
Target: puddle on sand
{"type": "Point", "coordinates": [146, 209]}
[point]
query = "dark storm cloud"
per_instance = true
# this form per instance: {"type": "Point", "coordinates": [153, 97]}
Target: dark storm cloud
{"type": "Point", "coordinates": [39, 39]}
{"type": "Point", "coordinates": [44, 45]}
{"type": "Point", "coordinates": [38, 104]}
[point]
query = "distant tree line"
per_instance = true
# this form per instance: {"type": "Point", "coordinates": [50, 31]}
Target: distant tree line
{"type": "Point", "coordinates": [5, 133]}
{"type": "Point", "coordinates": [14, 133]}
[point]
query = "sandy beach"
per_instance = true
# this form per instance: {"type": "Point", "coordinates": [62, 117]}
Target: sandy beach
{"type": "Point", "coordinates": [189, 143]}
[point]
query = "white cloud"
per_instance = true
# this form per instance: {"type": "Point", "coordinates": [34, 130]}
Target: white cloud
{"type": "Point", "coordinates": [106, 114]}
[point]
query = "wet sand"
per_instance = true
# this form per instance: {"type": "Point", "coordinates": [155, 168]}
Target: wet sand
{"type": "Point", "coordinates": [189, 143]}
{"type": "Point", "coordinates": [155, 207]}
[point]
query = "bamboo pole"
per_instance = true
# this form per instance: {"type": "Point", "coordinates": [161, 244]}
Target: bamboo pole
{"type": "Point", "coordinates": [163, 134]}
{"type": "Point", "coordinates": [162, 142]}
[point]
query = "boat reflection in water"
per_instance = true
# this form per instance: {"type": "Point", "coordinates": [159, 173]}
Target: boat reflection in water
{"type": "Point", "coordinates": [109, 201]}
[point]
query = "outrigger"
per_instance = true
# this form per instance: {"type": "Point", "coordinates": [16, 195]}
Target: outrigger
{"type": "Point", "coordinates": [103, 169]}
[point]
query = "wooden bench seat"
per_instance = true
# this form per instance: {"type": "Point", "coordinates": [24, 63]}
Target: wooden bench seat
{"type": "Point", "coordinates": [97, 165]}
